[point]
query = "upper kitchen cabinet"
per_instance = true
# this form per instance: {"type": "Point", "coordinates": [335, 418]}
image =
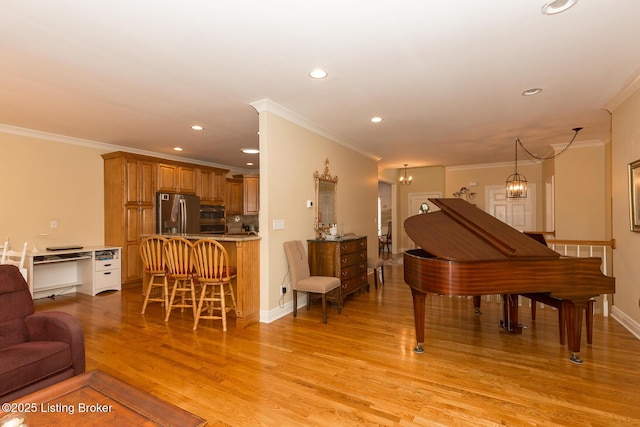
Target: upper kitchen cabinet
{"type": "Point", "coordinates": [233, 197]}
{"type": "Point", "coordinates": [251, 194]}
{"type": "Point", "coordinates": [243, 195]}
{"type": "Point", "coordinates": [176, 179]}
{"type": "Point", "coordinates": [211, 185]}
{"type": "Point", "coordinates": [138, 179]}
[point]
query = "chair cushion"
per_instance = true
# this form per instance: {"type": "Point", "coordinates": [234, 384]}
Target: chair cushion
{"type": "Point", "coordinates": [30, 362]}
{"type": "Point", "coordinates": [317, 284]}
{"type": "Point", "coordinates": [374, 262]}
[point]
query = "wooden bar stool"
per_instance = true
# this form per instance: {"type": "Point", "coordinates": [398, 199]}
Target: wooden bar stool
{"type": "Point", "coordinates": [178, 257]}
{"type": "Point", "coordinates": [214, 275]}
{"type": "Point", "coordinates": [152, 254]}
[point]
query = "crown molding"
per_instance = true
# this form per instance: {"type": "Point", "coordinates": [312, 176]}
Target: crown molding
{"type": "Point", "coordinates": [627, 90]}
{"type": "Point", "coordinates": [31, 133]}
{"type": "Point", "coordinates": [267, 105]}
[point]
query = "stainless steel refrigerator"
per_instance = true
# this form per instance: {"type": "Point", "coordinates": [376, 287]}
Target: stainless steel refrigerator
{"type": "Point", "coordinates": [177, 213]}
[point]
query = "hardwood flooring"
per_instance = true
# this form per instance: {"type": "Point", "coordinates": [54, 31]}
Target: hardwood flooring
{"type": "Point", "coordinates": [360, 368]}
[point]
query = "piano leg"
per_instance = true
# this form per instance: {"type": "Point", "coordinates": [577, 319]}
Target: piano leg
{"type": "Point", "coordinates": [418, 316]}
{"type": "Point", "coordinates": [476, 304]}
{"type": "Point", "coordinates": [573, 317]}
{"type": "Point", "coordinates": [510, 314]}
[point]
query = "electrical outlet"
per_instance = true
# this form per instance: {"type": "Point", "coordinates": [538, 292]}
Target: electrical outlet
{"type": "Point", "coordinates": [283, 290]}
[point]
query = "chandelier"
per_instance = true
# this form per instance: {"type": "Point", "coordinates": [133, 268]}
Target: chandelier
{"type": "Point", "coordinates": [405, 180]}
{"type": "Point", "coordinates": [516, 183]}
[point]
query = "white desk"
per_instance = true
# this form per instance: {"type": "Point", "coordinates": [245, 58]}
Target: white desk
{"type": "Point", "coordinates": [90, 270]}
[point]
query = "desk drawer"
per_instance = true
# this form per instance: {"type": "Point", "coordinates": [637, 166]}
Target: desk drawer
{"type": "Point", "coordinates": [107, 264]}
{"type": "Point", "coordinates": [109, 279]}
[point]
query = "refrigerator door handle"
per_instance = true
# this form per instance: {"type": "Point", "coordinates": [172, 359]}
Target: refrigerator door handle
{"type": "Point", "coordinates": [183, 216]}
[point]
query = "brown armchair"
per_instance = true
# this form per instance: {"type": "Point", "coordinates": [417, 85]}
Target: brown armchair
{"type": "Point", "coordinates": [36, 349]}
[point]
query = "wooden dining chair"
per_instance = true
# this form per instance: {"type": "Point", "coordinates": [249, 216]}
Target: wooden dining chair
{"type": "Point", "coordinates": [214, 275]}
{"type": "Point", "coordinates": [178, 258]}
{"type": "Point", "coordinates": [303, 281]}
{"type": "Point", "coordinates": [13, 257]}
{"type": "Point", "coordinates": [153, 260]}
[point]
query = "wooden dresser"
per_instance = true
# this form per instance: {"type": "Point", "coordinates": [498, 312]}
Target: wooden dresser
{"type": "Point", "coordinates": [345, 258]}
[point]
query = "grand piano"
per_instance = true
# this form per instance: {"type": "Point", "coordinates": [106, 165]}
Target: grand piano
{"type": "Point", "coordinates": [465, 251]}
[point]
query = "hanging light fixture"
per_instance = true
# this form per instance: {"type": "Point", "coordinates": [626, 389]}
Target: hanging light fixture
{"type": "Point", "coordinates": [516, 183]}
{"type": "Point", "coordinates": [405, 180]}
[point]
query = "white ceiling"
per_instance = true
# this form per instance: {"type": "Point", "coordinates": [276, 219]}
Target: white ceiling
{"type": "Point", "coordinates": [446, 76]}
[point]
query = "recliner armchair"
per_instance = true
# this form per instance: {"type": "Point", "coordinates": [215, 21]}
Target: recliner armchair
{"type": "Point", "coordinates": [36, 349]}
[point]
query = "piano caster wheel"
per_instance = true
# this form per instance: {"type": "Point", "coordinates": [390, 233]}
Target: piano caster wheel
{"type": "Point", "coordinates": [575, 359]}
{"type": "Point", "coordinates": [418, 349]}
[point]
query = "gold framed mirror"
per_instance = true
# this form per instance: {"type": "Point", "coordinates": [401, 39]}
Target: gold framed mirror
{"type": "Point", "coordinates": [326, 189]}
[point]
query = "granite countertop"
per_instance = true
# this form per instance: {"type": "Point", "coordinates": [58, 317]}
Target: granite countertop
{"type": "Point", "coordinates": [344, 238]}
{"type": "Point", "coordinates": [232, 237]}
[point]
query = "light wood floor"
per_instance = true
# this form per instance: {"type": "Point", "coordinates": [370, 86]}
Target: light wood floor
{"type": "Point", "coordinates": [360, 369]}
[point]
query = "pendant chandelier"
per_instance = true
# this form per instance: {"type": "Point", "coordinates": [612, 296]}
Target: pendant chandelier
{"type": "Point", "coordinates": [404, 179]}
{"type": "Point", "coordinates": [516, 183]}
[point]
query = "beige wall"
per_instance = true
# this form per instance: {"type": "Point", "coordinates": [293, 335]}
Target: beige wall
{"type": "Point", "coordinates": [289, 155]}
{"type": "Point", "coordinates": [580, 193]}
{"type": "Point", "coordinates": [47, 181]}
{"type": "Point", "coordinates": [625, 149]}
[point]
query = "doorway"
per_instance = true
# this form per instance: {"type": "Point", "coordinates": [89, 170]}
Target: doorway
{"type": "Point", "coordinates": [518, 213]}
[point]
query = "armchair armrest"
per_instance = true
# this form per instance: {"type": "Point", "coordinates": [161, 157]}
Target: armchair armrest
{"type": "Point", "coordinates": [59, 326]}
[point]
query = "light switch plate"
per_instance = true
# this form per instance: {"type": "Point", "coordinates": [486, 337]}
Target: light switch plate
{"type": "Point", "coordinates": [278, 224]}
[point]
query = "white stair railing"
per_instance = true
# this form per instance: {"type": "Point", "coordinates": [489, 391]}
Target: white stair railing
{"type": "Point", "coordinates": [589, 248]}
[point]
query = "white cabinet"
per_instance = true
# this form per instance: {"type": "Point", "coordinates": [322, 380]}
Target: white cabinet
{"type": "Point", "coordinates": [89, 270]}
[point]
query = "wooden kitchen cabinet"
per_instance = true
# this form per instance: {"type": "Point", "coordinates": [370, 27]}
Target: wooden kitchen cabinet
{"type": "Point", "coordinates": [129, 193]}
{"type": "Point", "coordinates": [211, 185]}
{"type": "Point", "coordinates": [251, 194]}
{"type": "Point", "coordinates": [345, 259]}
{"type": "Point", "coordinates": [176, 179]}
{"type": "Point", "coordinates": [130, 185]}
{"type": "Point", "coordinates": [234, 198]}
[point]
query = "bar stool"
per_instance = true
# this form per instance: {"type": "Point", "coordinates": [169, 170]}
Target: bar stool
{"type": "Point", "coordinates": [214, 275]}
{"type": "Point", "coordinates": [152, 254]}
{"type": "Point", "coordinates": [178, 257]}
{"type": "Point", "coordinates": [375, 264]}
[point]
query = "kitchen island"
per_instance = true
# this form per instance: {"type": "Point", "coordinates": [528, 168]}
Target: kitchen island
{"type": "Point", "coordinates": [244, 254]}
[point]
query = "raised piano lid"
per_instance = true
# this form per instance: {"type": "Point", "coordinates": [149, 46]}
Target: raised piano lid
{"type": "Point", "coordinates": [463, 232]}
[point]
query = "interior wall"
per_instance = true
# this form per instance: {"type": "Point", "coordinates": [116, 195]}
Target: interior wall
{"type": "Point", "coordinates": [289, 156]}
{"type": "Point", "coordinates": [51, 181]}
{"type": "Point", "coordinates": [625, 149]}
{"type": "Point", "coordinates": [496, 174]}
{"type": "Point", "coordinates": [425, 180]}
{"type": "Point", "coordinates": [580, 193]}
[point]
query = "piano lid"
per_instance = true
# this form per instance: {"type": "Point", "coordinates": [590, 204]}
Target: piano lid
{"type": "Point", "coordinates": [462, 232]}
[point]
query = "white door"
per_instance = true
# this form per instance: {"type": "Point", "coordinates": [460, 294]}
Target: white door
{"type": "Point", "coordinates": [518, 213]}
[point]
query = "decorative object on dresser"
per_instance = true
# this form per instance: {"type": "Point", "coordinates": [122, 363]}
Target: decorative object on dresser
{"type": "Point", "coordinates": [345, 258]}
{"type": "Point", "coordinates": [155, 268]}
{"type": "Point", "coordinates": [302, 279]}
{"type": "Point", "coordinates": [36, 349]}
{"type": "Point", "coordinates": [214, 274]}
{"type": "Point", "coordinates": [325, 205]}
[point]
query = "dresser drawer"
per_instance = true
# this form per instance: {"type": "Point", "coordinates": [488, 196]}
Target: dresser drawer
{"type": "Point", "coordinates": [353, 246]}
{"type": "Point", "coordinates": [107, 264]}
{"type": "Point", "coordinates": [352, 258]}
{"type": "Point", "coordinates": [352, 271]}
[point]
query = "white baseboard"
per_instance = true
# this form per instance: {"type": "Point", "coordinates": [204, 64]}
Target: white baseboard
{"type": "Point", "coordinates": [278, 312]}
{"type": "Point", "coordinates": [626, 321]}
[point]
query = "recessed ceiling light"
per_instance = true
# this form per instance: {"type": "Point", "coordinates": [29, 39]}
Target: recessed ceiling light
{"type": "Point", "coordinates": [376, 119]}
{"type": "Point", "coordinates": [557, 6]}
{"type": "Point", "coordinates": [318, 73]}
{"type": "Point", "coordinates": [250, 150]}
{"type": "Point", "coordinates": [196, 127]}
{"type": "Point", "coordinates": [177, 148]}
{"type": "Point", "coordinates": [531, 92]}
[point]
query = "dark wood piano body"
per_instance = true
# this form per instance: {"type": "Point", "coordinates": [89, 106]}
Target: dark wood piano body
{"type": "Point", "coordinates": [465, 251]}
